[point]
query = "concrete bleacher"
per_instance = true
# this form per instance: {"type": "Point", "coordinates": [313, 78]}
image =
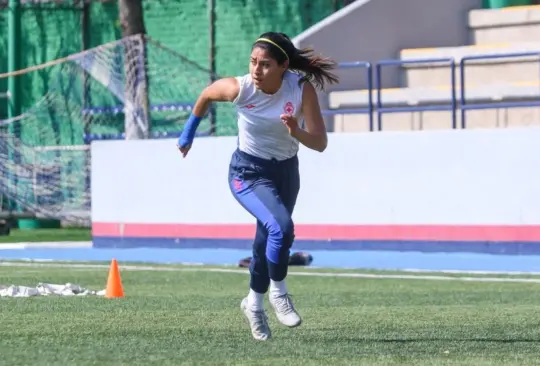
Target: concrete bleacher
{"type": "Point", "coordinates": [508, 31]}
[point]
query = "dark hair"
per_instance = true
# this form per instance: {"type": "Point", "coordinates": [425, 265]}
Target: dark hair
{"type": "Point", "coordinates": [314, 68]}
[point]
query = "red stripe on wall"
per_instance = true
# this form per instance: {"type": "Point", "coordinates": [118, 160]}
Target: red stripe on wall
{"type": "Point", "coordinates": [521, 233]}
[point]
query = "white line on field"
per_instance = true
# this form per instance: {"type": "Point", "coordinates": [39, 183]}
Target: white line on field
{"type": "Point", "coordinates": [475, 272]}
{"type": "Point", "coordinates": [241, 271]}
{"type": "Point", "coordinates": [47, 245]}
{"type": "Point", "coordinates": [445, 271]}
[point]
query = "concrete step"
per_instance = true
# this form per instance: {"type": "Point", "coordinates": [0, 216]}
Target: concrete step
{"type": "Point", "coordinates": [512, 24]}
{"type": "Point", "coordinates": [484, 71]}
{"type": "Point", "coordinates": [437, 95]}
{"type": "Point", "coordinates": [439, 120]}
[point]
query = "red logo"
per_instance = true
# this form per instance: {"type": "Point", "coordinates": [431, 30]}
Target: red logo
{"type": "Point", "coordinates": [250, 106]}
{"type": "Point", "coordinates": [237, 184]}
{"type": "Point", "coordinates": [289, 108]}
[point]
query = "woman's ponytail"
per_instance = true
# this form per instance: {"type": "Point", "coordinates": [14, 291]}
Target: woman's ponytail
{"type": "Point", "coordinates": [316, 69]}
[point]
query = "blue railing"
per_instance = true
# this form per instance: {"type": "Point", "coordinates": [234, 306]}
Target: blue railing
{"type": "Point", "coordinates": [117, 109]}
{"type": "Point", "coordinates": [493, 105]}
{"type": "Point", "coordinates": [455, 103]}
{"type": "Point", "coordinates": [378, 81]}
{"type": "Point", "coordinates": [367, 110]}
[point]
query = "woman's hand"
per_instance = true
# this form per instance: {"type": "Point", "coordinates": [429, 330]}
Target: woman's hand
{"type": "Point", "coordinates": [314, 135]}
{"type": "Point", "coordinates": [184, 149]}
{"type": "Point", "coordinates": [291, 123]}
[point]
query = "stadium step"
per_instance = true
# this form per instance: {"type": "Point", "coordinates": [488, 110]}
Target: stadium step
{"type": "Point", "coordinates": [439, 120]}
{"type": "Point", "coordinates": [512, 24]}
{"type": "Point", "coordinates": [484, 71]}
{"type": "Point", "coordinates": [437, 95]}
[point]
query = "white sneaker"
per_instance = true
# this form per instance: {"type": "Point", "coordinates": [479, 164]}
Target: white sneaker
{"type": "Point", "coordinates": [285, 311]}
{"type": "Point", "coordinates": [258, 321]}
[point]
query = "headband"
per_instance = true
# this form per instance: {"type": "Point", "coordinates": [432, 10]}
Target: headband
{"type": "Point", "coordinates": [274, 43]}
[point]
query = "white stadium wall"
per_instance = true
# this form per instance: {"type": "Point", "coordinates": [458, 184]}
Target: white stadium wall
{"type": "Point", "coordinates": [450, 191]}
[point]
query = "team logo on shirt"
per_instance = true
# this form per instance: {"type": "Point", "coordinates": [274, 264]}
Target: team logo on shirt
{"type": "Point", "coordinates": [288, 108]}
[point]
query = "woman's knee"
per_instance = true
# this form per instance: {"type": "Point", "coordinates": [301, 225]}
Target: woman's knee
{"type": "Point", "coordinates": [280, 239]}
{"type": "Point", "coordinates": [282, 228]}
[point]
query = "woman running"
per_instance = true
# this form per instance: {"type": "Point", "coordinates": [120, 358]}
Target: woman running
{"type": "Point", "coordinates": [277, 109]}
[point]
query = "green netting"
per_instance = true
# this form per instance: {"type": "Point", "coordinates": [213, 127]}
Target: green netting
{"type": "Point", "coordinates": [42, 151]}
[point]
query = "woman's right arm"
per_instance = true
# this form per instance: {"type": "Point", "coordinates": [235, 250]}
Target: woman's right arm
{"type": "Point", "coordinates": [222, 90]}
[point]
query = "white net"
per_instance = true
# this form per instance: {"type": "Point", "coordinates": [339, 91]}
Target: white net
{"type": "Point", "coordinates": [104, 93]}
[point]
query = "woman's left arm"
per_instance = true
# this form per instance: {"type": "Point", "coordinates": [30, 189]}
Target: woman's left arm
{"type": "Point", "coordinates": [314, 136]}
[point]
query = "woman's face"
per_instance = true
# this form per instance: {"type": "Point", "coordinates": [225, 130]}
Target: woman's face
{"type": "Point", "coordinates": [265, 71]}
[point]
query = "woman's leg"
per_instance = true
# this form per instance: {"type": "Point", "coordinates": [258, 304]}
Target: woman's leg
{"type": "Point", "coordinates": [258, 269]}
{"type": "Point", "coordinates": [253, 304]}
{"type": "Point", "coordinates": [275, 232]}
{"type": "Point", "coordinates": [288, 187]}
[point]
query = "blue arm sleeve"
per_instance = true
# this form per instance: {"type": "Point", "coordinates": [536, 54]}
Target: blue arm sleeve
{"type": "Point", "coordinates": [188, 134]}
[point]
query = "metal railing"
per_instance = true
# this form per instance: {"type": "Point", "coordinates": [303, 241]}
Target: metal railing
{"type": "Point", "coordinates": [369, 108]}
{"type": "Point", "coordinates": [117, 109]}
{"type": "Point", "coordinates": [456, 103]}
{"type": "Point", "coordinates": [378, 81]}
{"type": "Point", "coordinates": [464, 107]}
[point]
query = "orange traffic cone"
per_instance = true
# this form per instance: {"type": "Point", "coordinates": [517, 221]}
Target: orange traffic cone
{"type": "Point", "coordinates": [114, 282]}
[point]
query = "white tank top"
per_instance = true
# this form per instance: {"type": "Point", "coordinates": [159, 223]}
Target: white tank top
{"type": "Point", "coordinates": [261, 132]}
